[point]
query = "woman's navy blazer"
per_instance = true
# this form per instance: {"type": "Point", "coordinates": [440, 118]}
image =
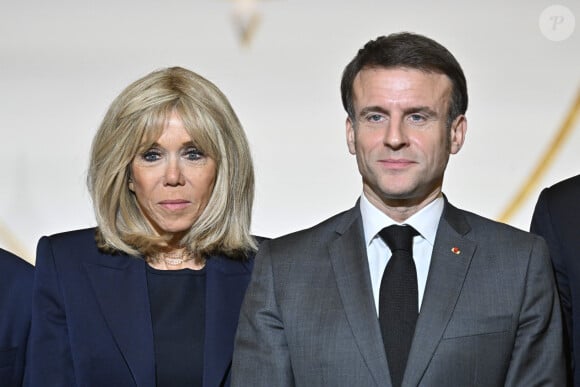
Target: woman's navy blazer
{"type": "Point", "coordinates": [91, 320]}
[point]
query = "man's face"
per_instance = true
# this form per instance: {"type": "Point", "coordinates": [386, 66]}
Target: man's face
{"type": "Point", "coordinates": [400, 135]}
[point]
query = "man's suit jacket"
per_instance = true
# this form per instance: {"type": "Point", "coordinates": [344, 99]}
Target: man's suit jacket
{"type": "Point", "coordinates": [91, 321]}
{"type": "Point", "coordinates": [16, 276]}
{"type": "Point", "coordinates": [557, 219]}
{"type": "Point", "coordinates": [490, 315]}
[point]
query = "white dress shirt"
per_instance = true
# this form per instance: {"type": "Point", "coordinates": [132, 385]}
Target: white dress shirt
{"type": "Point", "coordinates": [425, 222]}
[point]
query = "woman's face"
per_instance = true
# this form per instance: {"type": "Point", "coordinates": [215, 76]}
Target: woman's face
{"type": "Point", "coordinates": [172, 180]}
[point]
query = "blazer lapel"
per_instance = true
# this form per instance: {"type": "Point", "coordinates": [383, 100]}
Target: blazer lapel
{"type": "Point", "coordinates": [120, 286]}
{"type": "Point", "coordinates": [452, 254]}
{"type": "Point", "coordinates": [350, 265]}
{"type": "Point", "coordinates": [226, 284]}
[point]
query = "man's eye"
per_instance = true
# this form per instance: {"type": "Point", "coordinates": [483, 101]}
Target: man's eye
{"type": "Point", "coordinates": [375, 118]}
{"type": "Point", "coordinates": [416, 117]}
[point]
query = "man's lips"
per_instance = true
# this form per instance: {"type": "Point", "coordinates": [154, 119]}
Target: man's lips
{"type": "Point", "coordinates": [396, 163]}
{"type": "Point", "coordinates": [176, 204]}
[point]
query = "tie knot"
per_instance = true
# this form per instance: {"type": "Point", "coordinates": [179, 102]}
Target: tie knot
{"type": "Point", "coordinates": [398, 237]}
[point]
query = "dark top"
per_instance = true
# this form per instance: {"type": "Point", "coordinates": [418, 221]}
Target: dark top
{"type": "Point", "coordinates": [177, 299]}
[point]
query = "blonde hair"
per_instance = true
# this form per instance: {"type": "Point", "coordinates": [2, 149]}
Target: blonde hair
{"type": "Point", "coordinates": [134, 121]}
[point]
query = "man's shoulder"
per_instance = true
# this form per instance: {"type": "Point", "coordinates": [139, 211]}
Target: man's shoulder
{"type": "Point", "coordinates": [484, 228]}
{"type": "Point", "coordinates": [568, 188]}
{"type": "Point", "coordinates": [558, 205]}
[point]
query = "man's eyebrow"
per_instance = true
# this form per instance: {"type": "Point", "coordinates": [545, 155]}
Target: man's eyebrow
{"type": "Point", "coordinates": [420, 109]}
{"type": "Point", "coordinates": [414, 109]}
{"type": "Point", "coordinates": [373, 109]}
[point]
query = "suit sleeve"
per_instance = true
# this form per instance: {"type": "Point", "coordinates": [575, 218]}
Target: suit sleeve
{"type": "Point", "coordinates": [538, 352]}
{"type": "Point", "coordinates": [49, 361]}
{"type": "Point", "coordinates": [16, 276]}
{"type": "Point", "coordinates": [542, 224]}
{"type": "Point", "coordinates": [261, 355]}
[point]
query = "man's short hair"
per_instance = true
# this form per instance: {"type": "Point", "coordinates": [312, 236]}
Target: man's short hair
{"type": "Point", "coordinates": [411, 51]}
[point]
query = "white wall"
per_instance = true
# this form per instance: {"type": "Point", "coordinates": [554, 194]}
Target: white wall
{"type": "Point", "coordinates": [62, 62]}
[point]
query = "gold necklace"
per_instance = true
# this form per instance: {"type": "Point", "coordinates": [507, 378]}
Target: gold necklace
{"type": "Point", "coordinates": [175, 258]}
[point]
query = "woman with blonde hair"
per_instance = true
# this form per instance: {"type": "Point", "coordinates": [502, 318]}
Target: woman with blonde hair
{"type": "Point", "coordinates": [151, 296]}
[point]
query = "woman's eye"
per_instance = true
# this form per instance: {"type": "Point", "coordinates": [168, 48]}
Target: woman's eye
{"type": "Point", "coordinates": [193, 154]}
{"type": "Point", "coordinates": [151, 155]}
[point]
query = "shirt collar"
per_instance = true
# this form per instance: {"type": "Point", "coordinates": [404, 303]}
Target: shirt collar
{"type": "Point", "coordinates": [425, 221]}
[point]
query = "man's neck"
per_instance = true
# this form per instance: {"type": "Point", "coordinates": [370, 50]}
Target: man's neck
{"type": "Point", "coordinates": [401, 209]}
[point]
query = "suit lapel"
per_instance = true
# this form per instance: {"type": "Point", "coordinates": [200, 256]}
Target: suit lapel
{"type": "Point", "coordinates": [120, 286]}
{"type": "Point", "coordinates": [447, 273]}
{"type": "Point", "coordinates": [350, 265]}
{"type": "Point", "coordinates": [225, 287]}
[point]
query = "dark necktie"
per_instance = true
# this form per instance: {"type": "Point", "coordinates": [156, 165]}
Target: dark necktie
{"type": "Point", "coordinates": [398, 299]}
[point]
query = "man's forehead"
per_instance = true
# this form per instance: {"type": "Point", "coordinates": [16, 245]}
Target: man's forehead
{"type": "Point", "coordinates": [401, 83]}
{"type": "Point", "coordinates": [400, 71]}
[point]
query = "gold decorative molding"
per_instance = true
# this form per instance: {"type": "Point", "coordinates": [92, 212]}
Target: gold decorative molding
{"type": "Point", "coordinates": [544, 163]}
{"type": "Point", "coordinates": [246, 19]}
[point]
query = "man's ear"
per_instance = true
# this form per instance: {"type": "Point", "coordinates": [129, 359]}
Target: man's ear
{"type": "Point", "coordinates": [350, 136]}
{"type": "Point", "coordinates": [457, 133]}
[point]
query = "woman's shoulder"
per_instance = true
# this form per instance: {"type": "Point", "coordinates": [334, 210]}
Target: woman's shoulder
{"type": "Point", "coordinates": [73, 243]}
{"type": "Point", "coordinates": [238, 264]}
{"type": "Point", "coordinates": [72, 248]}
{"type": "Point", "coordinates": [82, 237]}
{"type": "Point", "coordinates": [240, 257]}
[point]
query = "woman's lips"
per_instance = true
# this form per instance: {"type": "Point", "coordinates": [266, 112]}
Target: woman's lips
{"type": "Point", "coordinates": [175, 205]}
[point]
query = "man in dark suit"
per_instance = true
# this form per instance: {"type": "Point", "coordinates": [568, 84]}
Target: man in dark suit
{"type": "Point", "coordinates": [16, 276]}
{"type": "Point", "coordinates": [462, 300]}
{"type": "Point", "coordinates": [557, 218]}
